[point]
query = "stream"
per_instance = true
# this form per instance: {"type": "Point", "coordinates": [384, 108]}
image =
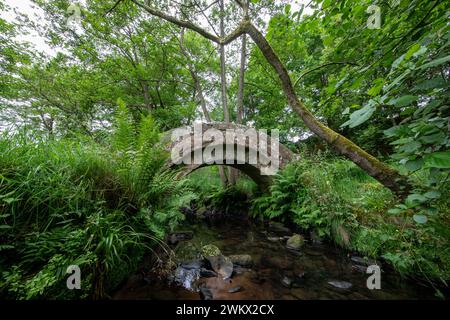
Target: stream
{"type": "Point", "coordinates": [265, 268]}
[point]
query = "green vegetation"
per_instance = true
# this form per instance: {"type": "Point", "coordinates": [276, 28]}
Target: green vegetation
{"type": "Point", "coordinates": [75, 201]}
{"type": "Point", "coordinates": [339, 201]}
{"type": "Point", "coordinates": [229, 200]}
{"type": "Point", "coordinates": [83, 174]}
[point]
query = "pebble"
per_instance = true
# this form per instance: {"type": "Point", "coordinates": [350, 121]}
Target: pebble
{"type": "Point", "coordinates": [234, 289]}
{"type": "Point", "coordinates": [340, 284]}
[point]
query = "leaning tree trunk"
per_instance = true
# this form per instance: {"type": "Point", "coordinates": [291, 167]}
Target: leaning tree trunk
{"type": "Point", "coordinates": [377, 169]}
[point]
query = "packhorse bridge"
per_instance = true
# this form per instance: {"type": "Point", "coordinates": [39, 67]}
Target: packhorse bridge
{"type": "Point", "coordinates": [251, 151]}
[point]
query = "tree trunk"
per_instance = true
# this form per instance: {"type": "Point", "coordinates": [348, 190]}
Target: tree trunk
{"type": "Point", "coordinates": [240, 97]}
{"type": "Point", "coordinates": [199, 95]}
{"type": "Point", "coordinates": [375, 168]}
{"type": "Point", "coordinates": [147, 99]}
{"type": "Point", "coordinates": [223, 80]}
{"type": "Point", "coordinates": [223, 85]}
{"type": "Point", "coordinates": [198, 87]}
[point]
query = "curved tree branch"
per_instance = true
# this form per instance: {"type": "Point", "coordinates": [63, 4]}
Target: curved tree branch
{"type": "Point", "coordinates": [320, 67]}
{"type": "Point", "coordinates": [181, 23]}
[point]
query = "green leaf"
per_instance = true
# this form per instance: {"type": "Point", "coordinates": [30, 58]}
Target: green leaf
{"type": "Point", "coordinates": [395, 211]}
{"type": "Point", "coordinates": [376, 89]}
{"type": "Point", "coordinates": [432, 194]}
{"type": "Point", "coordinates": [411, 51]}
{"type": "Point", "coordinates": [398, 80]}
{"type": "Point", "coordinates": [420, 218]}
{"type": "Point", "coordinates": [360, 116]}
{"type": "Point", "coordinates": [435, 62]}
{"type": "Point", "coordinates": [434, 83]}
{"type": "Point", "coordinates": [402, 141]}
{"type": "Point", "coordinates": [6, 247]}
{"type": "Point", "coordinates": [10, 200]}
{"type": "Point", "coordinates": [403, 101]}
{"type": "Point", "coordinates": [392, 131]}
{"type": "Point", "coordinates": [398, 61]}
{"type": "Point", "coordinates": [414, 165]}
{"type": "Point", "coordinates": [410, 147]}
{"type": "Point", "coordinates": [438, 160]}
{"type": "Point", "coordinates": [287, 9]}
{"type": "Point", "coordinates": [415, 199]}
{"type": "Point", "coordinates": [434, 138]}
{"type": "Point", "coordinates": [431, 211]}
{"type": "Point", "coordinates": [420, 52]}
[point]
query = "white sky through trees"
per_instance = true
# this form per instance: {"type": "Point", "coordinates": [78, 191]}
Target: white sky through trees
{"type": "Point", "coordinates": [37, 15]}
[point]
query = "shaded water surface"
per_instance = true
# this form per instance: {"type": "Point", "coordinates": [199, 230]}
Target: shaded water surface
{"type": "Point", "coordinates": [317, 271]}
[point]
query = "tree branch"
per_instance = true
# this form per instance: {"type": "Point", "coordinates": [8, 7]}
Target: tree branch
{"type": "Point", "coordinates": [320, 67]}
{"type": "Point", "coordinates": [113, 7]}
{"type": "Point", "coordinates": [240, 30]}
{"type": "Point", "coordinates": [178, 22]}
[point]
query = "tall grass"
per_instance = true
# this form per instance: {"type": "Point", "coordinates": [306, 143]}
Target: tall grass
{"type": "Point", "coordinates": [77, 201]}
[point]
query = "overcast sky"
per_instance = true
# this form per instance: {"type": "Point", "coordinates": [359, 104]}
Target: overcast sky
{"type": "Point", "coordinates": [36, 14]}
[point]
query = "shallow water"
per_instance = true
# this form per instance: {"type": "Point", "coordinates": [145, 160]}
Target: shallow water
{"type": "Point", "coordinates": [276, 273]}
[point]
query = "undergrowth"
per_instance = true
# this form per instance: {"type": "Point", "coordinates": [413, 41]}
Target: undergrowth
{"type": "Point", "coordinates": [75, 201]}
{"type": "Point", "coordinates": [339, 201]}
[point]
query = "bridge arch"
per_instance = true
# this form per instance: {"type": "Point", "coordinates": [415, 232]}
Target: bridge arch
{"type": "Point", "coordinates": [261, 171]}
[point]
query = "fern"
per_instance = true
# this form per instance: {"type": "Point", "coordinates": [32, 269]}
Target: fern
{"type": "Point", "coordinates": [124, 137]}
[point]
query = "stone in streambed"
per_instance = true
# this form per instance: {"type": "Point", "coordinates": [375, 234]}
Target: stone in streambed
{"type": "Point", "coordinates": [195, 264]}
{"type": "Point", "coordinates": [278, 227]}
{"type": "Point", "coordinates": [205, 273]}
{"type": "Point", "coordinates": [287, 282]}
{"type": "Point", "coordinates": [178, 236]}
{"type": "Point", "coordinates": [243, 260]}
{"type": "Point", "coordinates": [186, 277]}
{"type": "Point", "coordinates": [219, 263]}
{"type": "Point", "coordinates": [234, 289]}
{"type": "Point", "coordinates": [295, 242]}
{"type": "Point", "coordinates": [340, 284]}
{"type": "Point", "coordinates": [222, 265]}
{"type": "Point", "coordinates": [205, 293]}
{"type": "Point", "coordinates": [210, 250]}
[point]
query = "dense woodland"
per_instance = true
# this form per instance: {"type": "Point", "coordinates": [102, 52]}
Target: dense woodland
{"type": "Point", "coordinates": [83, 178]}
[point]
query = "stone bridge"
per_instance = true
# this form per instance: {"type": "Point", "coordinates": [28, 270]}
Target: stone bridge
{"type": "Point", "coordinates": [227, 144]}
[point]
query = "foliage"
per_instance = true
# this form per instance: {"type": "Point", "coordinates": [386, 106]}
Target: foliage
{"type": "Point", "coordinates": [75, 201]}
{"type": "Point", "coordinates": [339, 201]}
{"type": "Point", "coordinates": [82, 176]}
{"type": "Point", "coordinates": [229, 200]}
